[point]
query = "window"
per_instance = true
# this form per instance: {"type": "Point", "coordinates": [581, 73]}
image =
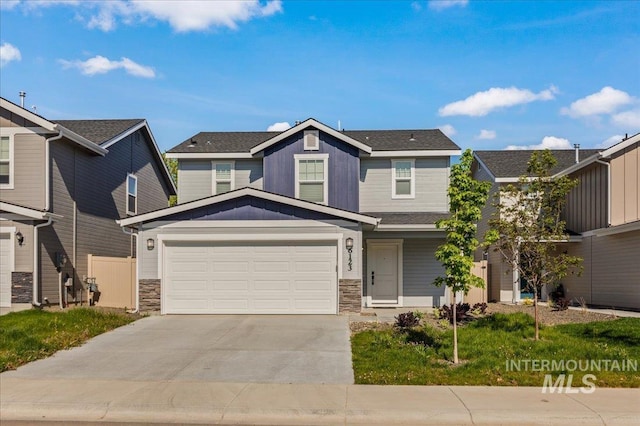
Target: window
{"type": "Point", "coordinates": [311, 140]}
{"type": "Point", "coordinates": [132, 194]}
{"type": "Point", "coordinates": [223, 177]}
{"type": "Point", "coordinates": [311, 177]}
{"type": "Point", "coordinates": [403, 179]}
{"type": "Point", "coordinates": [6, 163]}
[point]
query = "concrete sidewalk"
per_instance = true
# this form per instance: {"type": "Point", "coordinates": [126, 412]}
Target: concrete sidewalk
{"type": "Point", "coordinates": [235, 403]}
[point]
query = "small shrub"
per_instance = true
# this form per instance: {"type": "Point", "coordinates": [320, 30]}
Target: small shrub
{"type": "Point", "coordinates": [407, 320]}
{"type": "Point", "coordinates": [527, 302]}
{"type": "Point", "coordinates": [479, 309]}
{"type": "Point", "coordinates": [562, 304]}
{"type": "Point", "coordinates": [462, 310]}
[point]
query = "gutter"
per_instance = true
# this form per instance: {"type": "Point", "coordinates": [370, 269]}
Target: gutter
{"type": "Point", "coordinates": [35, 301]}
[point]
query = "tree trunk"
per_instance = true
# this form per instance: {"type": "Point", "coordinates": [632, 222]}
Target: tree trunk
{"type": "Point", "coordinates": [535, 310]}
{"type": "Point", "coordinates": [455, 330]}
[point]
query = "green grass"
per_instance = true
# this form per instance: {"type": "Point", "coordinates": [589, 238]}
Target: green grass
{"type": "Point", "coordinates": [30, 335]}
{"type": "Point", "coordinates": [422, 356]}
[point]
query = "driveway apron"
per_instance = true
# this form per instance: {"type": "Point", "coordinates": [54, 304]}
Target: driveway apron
{"type": "Point", "coordinates": [215, 348]}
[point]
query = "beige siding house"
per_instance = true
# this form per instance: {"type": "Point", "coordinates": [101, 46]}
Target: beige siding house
{"type": "Point", "coordinates": [63, 185]}
{"type": "Point", "coordinates": [602, 218]}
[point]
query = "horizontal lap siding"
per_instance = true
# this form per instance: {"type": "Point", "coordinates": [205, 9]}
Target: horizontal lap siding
{"type": "Point", "coordinates": [248, 173]}
{"type": "Point", "coordinates": [432, 181]}
{"type": "Point", "coordinates": [420, 268]}
{"type": "Point", "coordinates": [23, 253]}
{"type": "Point", "coordinates": [28, 172]}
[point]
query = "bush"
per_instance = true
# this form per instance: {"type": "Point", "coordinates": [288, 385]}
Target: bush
{"type": "Point", "coordinates": [407, 320]}
{"type": "Point", "coordinates": [562, 304]}
{"type": "Point", "coordinates": [462, 309]}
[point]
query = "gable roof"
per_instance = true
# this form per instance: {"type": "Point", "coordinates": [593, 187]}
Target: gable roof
{"type": "Point", "coordinates": [366, 140]}
{"type": "Point", "coordinates": [100, 131]}
{"type": "Point", "coordinates": [243, 192]}
{"type": "Point", "coordinates": [511, 164]}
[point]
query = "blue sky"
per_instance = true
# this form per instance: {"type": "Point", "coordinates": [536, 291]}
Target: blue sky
{"type": "Point", "coordinates": [491, 74]}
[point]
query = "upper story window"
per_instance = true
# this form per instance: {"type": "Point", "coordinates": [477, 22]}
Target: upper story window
{"type": "Point", "coordinates": [403, 179]}
{"type": "Point", "coordinates": [312, 177]}
{"type": "Point", "coordinates": [132, 194]}
{"type": "Point", "coordinates": [223, 177]}
{"type": "Point", "coordinates": [311, 140]}
{"type": "Point", "coordinates": [6, 163]}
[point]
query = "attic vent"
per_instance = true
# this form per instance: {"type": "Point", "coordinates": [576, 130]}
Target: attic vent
{"type": "Point", "coordinates": [311, 140]}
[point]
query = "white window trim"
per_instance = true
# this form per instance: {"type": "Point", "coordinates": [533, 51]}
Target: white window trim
{"type": "Point", "coordinates": [10, 184]}
{"type": "Point", "coordinates": [131, 175]}
{"type": "Point", "coordinates": [325, 158]}
{"type": "Point", "coordinates": [317, 138]}
{"type": "Point", "coordinates": [214, 179]}
{"type": "Point", "coordinates": [413, 179]}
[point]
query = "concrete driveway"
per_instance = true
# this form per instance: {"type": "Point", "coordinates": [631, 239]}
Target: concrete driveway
{"type": "Point", "coordinates": [215, 348]}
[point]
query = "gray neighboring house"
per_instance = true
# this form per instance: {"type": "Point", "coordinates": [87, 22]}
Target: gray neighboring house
{"type": "Point", "coordinates": [63, 185]}
{"type": "Point", "coordinates": [311, 220]}
{"type": "Point", "coordinates": [602, 218]}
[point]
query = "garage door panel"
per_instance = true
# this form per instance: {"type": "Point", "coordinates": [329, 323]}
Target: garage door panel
{"type": "Point", "coordinates": [190, 266]}
{"type": "Point", "coordinates": [270, 278]}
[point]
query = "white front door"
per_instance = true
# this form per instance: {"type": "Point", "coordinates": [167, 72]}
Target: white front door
{"type": "Point", "coordinates": [6, 266]}
{"type": "Point", "coordinates": [382, 273]}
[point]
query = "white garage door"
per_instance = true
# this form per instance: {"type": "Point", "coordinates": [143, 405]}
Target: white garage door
{"type": "Point", "coordinates": [250, 278]}
{"type": "Point", "coordinates": [6, 266]}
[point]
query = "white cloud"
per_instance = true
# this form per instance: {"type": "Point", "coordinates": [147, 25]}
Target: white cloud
{"type": "Point", "coordinates": [8, 4]}
{"type": "Point", "coordinates": [279, 127]}
{"type": "Point", "coordinates": [448, 130]}
{"type": "Point", "coordinates": [486, 134]}
{"type": "Point", "coordinates": [627, 119]}
{"type": "Point", "coordinates": [101, 65]}
{"type": "Point", "coordinates": [445, 4]}
{"type": "Point", "coordinates": [9, 53]}
{"type": "Point", "coordinates": [182, 15]}
{"type": "Point", "coordinates": [610, 141]}
{"type": "Point", "coordinates": [606, 101]}
{"type": "Point", "coordinates": [416, 6]}
{"type": "Point", "coordinates": [548, 142]}
{"type": "Point", "coordinates": [482, 103]}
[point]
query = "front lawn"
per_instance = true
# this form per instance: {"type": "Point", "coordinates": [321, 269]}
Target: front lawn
{"type": "Point", "coordinates": [494, 348]}
{"type": "Point", "coordinates": [30, 335]}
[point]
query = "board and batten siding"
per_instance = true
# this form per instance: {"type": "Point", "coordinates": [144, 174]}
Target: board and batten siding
{"type": "Point", "coordinates": [432, 181]}
{"type": "Point", "coordinates": [586, 207]}
{"type": "Point", "coordinates": [343, 169]}
{"type": "Point", "coordinates": [625, 185]}
{"type": "Point", "coordinates": [195, 177]}
{"type": "Point", "coordinates": [28, 171]}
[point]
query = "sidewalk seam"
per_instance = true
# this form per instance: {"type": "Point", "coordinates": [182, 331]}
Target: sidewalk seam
{"type": "Point", "coordinates": [589, 408]}
{"type": "Point", "coordinates": [463, 404]}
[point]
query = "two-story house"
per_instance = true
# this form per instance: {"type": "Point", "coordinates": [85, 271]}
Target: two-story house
{"type": "Point", "coordinates": [602, 221]}
{"type": "Point", "coordinates": [63, 184]}
{"type": "Point", "coordinates": [312, 220]}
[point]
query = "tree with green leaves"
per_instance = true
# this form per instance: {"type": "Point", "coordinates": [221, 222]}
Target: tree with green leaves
{"type": "Point", "coordinates": [467, 197]}
{"type": "Point", "coordinates": [172, 166]}
{"type": "Point", "coordinates": [527, 226]}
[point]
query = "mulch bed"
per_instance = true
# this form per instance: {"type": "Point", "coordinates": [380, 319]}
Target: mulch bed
{"type": "Point", "coordinates": [547, 315]}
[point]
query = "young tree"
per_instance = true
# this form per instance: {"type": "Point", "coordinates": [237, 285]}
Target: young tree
{"type": "Point", "coordinates": [467, 197]}
{"type": "Point", "coordinates": [527, 226]}
{"type": "Point", "coordinates": [172, 166]}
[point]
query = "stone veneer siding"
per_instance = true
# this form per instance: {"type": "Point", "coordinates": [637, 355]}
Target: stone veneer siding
{"type": "Point", "coordinates": [21, 287]}
{"type": "Point", "coordinates": [149, 293]}
{"type": "Point", "coordinates": [350, 296]}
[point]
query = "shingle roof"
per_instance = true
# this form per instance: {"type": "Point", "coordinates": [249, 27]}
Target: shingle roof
{"type": "Point", "coordinates": [513, 163]}
{"type": "Point", "coordinates": [417, 218]}
{"type": "Point", "coordinates": [379, 140]}
{"type": "Point", "coordinates": [99, 131]}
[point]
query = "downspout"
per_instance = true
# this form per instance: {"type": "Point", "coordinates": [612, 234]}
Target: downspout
{"type": "Point", "coordinates": [135, 235]}
{"type": "Point", "coordinates": [608, 190]}
{"type": "Point", "coordinates": [35, 301]}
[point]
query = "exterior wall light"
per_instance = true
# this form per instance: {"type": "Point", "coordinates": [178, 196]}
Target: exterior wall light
{"type": "Point", "coordinates": [19, 238]}
{"type": "Point", "coordinates": [150, 244]}
{"type": "Point", "coordinates": [349, 246]}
